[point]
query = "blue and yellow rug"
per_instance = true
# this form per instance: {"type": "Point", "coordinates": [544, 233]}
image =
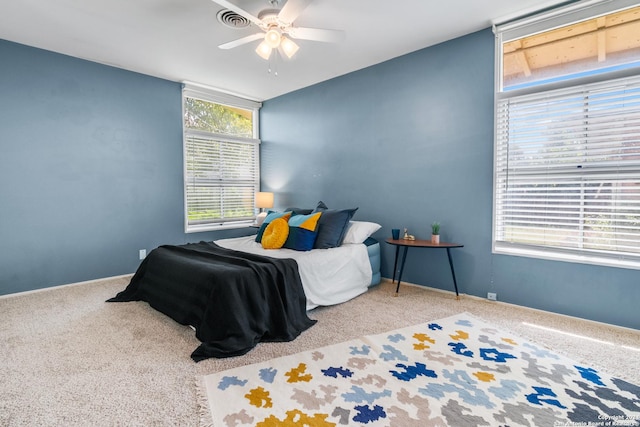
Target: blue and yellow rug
{"type": "Point", "coordinates": [458, 371]}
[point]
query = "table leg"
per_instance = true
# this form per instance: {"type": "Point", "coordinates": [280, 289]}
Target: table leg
{"type": "Point", "coordinates": [404, 258]}
{"type": "Point", "coordinates": [395, 265]}
{"type": "Point", "coordinates": [453, 273]}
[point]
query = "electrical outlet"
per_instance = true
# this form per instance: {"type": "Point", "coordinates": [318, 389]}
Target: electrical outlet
{"type": "Point", "coordinates": [143, 253]}
{"type": "Point", "coordinates": [492, 296]}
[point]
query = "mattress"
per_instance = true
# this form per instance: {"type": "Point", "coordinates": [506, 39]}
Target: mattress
{"type": "Point", "coordinates": [329, 276]}
{"type": "Point", "coordinates": [373, 251]}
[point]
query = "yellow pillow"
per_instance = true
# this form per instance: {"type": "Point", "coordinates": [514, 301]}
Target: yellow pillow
{"type": "Point", "coordinates": [275, 234]}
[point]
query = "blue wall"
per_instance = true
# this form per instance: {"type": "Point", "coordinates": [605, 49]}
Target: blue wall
{"type": "Point", "coordinates": [409, 142]}
{"type": "Point", "coordinates": [90, 169]}
{"type": "Point", "coordinates": [91, 172]}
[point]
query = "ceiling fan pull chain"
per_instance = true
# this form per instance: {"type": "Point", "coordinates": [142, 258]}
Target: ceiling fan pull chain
{"type": "Point", "coordinates": [273, 63]}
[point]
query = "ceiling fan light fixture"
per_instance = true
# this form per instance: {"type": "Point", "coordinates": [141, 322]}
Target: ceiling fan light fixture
{"type": "Point", "coordinates": [272, 38]}
{"type": "Point", "coordinates": [264, 50]}
{"type": "Point", "coordinates": [289, 47]}
{"type": "Point", "coordinates": [275, 25]}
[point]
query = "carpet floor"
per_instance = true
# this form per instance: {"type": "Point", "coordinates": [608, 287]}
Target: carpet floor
{"type": "Point", "coordinates": [70, 359]}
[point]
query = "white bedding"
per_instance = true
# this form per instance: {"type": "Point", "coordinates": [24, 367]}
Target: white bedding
{"type": "Point", "coordinates": [329, 276]}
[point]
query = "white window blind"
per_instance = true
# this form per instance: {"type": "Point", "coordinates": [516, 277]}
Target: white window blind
{"type": "Point", "coordinates": [567, 173]}
{"type": "Point", "coordinates": [221, 180]}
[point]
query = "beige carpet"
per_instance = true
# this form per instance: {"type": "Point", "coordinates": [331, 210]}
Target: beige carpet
{"type": "Point", "coordinates": [70, 359]}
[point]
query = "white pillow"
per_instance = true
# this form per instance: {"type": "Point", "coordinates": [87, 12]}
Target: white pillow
{"type": "Point", "coordinates": [359, 231]}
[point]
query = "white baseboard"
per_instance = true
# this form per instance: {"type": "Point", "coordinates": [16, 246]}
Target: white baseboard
{"type": "Point", "coordinates": [594, 322]}
{"type": "Point", "coordinates": [87, 282]}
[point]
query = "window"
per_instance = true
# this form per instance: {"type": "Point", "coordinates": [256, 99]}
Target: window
{"type": "Point", "coordinates": [567, 149]}
{"type": "Point", "coordinates": [221, 160]}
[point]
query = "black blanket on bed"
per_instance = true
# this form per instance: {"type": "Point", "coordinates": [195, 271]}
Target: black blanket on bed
{"type": "Point", "coordinates": [233, 299]}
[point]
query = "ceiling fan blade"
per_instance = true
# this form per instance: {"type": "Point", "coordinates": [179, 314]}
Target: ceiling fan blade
{"type": "Point", "coordinates": [239, 11]}
{"type": "Point", "coordinates": [292, 9]}
{"type": "Point", "coordinates": [243, 40]}
{"type": "Point", "coordinates": [316, 34]}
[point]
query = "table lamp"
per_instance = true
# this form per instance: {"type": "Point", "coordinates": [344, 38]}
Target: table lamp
{"type": "Point", "coordinates": [263, 200]}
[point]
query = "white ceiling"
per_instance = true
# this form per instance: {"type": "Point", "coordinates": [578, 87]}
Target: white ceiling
{"type": "Point", "coordinates": [177, 39]}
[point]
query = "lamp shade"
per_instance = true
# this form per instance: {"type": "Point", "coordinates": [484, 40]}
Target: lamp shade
{"type": "Point", "coordinates": [264, 50]}
{"type": "Point", "coordinates": [264, 200]}
{"type": "Point", "coordinates": [272, 38]}
{"type": "Point", "coordinates": [289, 47]}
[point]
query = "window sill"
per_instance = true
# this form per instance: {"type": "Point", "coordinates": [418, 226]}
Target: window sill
{"type": "Point", "coordinates": [559, 255]}
{"type": "Point", "coordinates": [217, 227]}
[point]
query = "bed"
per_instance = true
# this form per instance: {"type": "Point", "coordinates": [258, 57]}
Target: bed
{"type": "Point", "coordinates": [235, 293]}
{"type": "Point", "coordinates": [329, 276]}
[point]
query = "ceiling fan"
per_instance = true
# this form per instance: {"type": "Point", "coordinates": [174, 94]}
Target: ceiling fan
{"type": "Point", "coordinates": [278, 29]}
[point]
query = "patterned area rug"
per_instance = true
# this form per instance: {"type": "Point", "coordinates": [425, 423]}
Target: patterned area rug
{"type": "Point", "coordinates": [457, 371]}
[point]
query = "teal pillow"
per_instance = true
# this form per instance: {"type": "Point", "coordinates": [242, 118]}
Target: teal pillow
{"type": "Point", "coordinates": [303, 230]}
{"type": "Point", "coordinates": [332, 227]}
{"type": "Point", "coordinates": [271, 215]}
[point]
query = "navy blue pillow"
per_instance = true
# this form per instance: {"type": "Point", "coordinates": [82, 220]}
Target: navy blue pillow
{"type": "Point", "coordinates": [321, 207]}
{"type": "Point", "coordinates": [332, 227]}
{"type": "Point", "coordinates": [299, 211]}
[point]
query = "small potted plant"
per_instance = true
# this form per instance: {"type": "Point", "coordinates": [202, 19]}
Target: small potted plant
{"type": "Point", "coordinates": [435, 233]}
